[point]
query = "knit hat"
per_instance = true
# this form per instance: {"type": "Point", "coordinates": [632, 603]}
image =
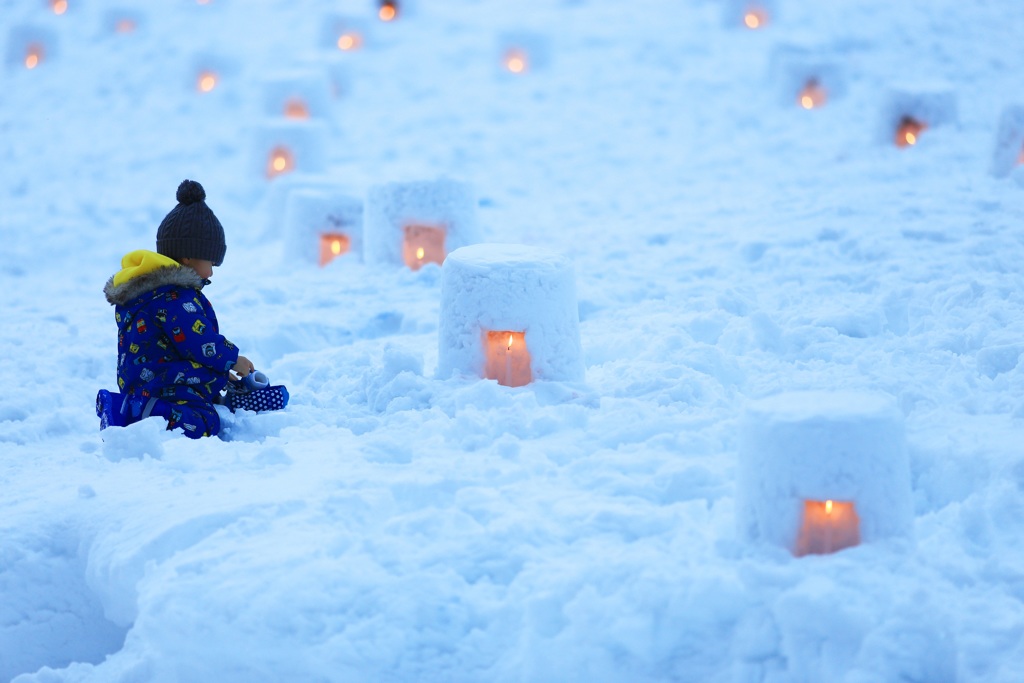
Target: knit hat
{"type": "Point", "coordinates": [191, 230]}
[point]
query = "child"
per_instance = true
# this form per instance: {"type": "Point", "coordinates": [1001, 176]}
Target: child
{"type": "Point", "coordinates": [172, 360]}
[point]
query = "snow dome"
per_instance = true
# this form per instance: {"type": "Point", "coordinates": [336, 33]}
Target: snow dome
{"type": "Point", "coordinates": [416, 223]}
{"type": "Point", "coordinates": [806, 77]}
{"type": "Point", "coordinates": [1009, 149]}
{"type": "Point", "coordinates": [822, 471]}
{"type": "Point", "coordinates": [907, 113]}
{"type": "Point", "coordinates": [322, 224]}
{"type": "Point", "coordinates": [509, 313]}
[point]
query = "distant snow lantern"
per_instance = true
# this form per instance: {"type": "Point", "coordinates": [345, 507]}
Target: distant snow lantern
{"type": "Point", "coordinates": [280, 160]}
{"type": "Point", "coordinates": [206, 81]}
{"type": "Point", "coordinates": [418, 223]}
{"type": "Point", "coordinates": [284, 146]}
{"type": "Point", "coordinates": [509, 313]}
{"type": "Point", "coordinates": [423, 244]}
{"type": "Point", "coordinates": [823, 471]}
{"type": "Point", "coordinates": [34, 55]}
{"type": "Point", "coordinates": [387, 10]}
{"type": "Point", "coordinates": [813, 95]}
{"type": "Point", "coordinates": [296, 108]}
{"type": "Point", "coordinates": [507, 359]}
{"type": "Point", "coordinates": [322, 224]}
{"type": "Point", "coordinates": [755, 17]}
{"type": "Point", "coordinates": [908, 131]}
{"type": "Point", "coordinates": [907, 114]}
{"type": "Point", "coordinates": [59, 7]}
{"type": "Point", "coordinates": [516, 60]}
{"type": "Point", "coordinates": [1008, 154]}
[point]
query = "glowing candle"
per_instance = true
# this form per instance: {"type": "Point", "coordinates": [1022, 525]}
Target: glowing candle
{"type": "Point", "coordinates": [755, 18]}
{"type": "Point", "coordinates": [515, 61]}
{"type": "Point", "coordinates": [279, 162]}
{"type": "Point", "coordinates": [812, 95]}
{"type": "Point", "coordinates": [507, 359]}
{"type": "Point", "coordinates": [59, 6]}
{"type": "Point", "coordinates": [33, 56]}
{"type": "Point", "coordinates": [388, 11]}
{"type": "Point", "coordinates": [349, 41]}
{"type": "Point", "coordinates": [207, 81]}
{"type": "Point", "coordinates": [828, 526]}
{"type": "Point", "coordinates": [332, 245]}
{"type": "Point", "coordinates": [296, 109]}
{"type": "Point", "coordinates": [908, 132]}
{"type": "Point", "coordinates": [423, 244]}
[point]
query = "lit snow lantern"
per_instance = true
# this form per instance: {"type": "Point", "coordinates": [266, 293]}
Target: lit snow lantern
{"type": "Point", "coordinates": [509, 313]}
{"type": "Point", "coordinates": [29, 47]}
{"type": "Point", "coordinates": [209, 72]}
{"type": "Point", "coordinates": [1008, 154]}
{"type": "Point", "coordinates": [206, 80]}
{"type": "Point", "coordinates": [417, 223]}
{"type": "Point", "coordinates": [520, 52]}
{"type": "Point", "coordinates": [749, 14]}
{"type": "Point", "coordinates": [285, 146]}
{"type": "Point", "coordinates": [807, 77]}
{"type": "Point", "coordinates": [322, 224]}
{"type": "Point", "coordinates": [387, 10]}
{"type": "Point", "coordinates": [343, 33]}
{"type": "Point", "coordinates": [823, 471]}
{"type": "Point", "coordinates": [909, 113]}
{"type": "Point", "coordinates": [297, 94]}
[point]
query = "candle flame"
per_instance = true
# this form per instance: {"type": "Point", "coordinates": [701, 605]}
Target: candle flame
{"type": "Point", "coordinates": [387, 12]}
{"type": "Point", "coordinates": [296, 109]}
{"type": "Point", "coordinates": [752, 20]}
{"type": "Point", "coordinates": [420, 252]}
{"type": "Point", "coordinates": [515, 61]}
{"type": "Point", "coordinates": [336, 247]}
{"type": "Point", "coordinates": [280, 163]}
{"type": "Point", "coordinates": [828, 507]}
{"type": "Point", "coordinates": [348, 41]}
{"type": "Point", "coordinates": [510, 342]}
{"type": "Point", "coordinates": [807, 102]}
{"type": "Point", "coordinates": [207, 81]}
{"type": "Point", "coordinates": [908, 132]}
{"type": "Point", "coordinates": [59, 6]}
{"type": "Point", "coordinates": [280, 160]}
{"type": "Point", "coordinates": [33, 56]}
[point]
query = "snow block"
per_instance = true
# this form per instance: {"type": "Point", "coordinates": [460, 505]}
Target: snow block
{"type": "Point", "coordinates": [321, 225]}
{"type": "Point", "coordinates": [284, 147]}
{"type": "Point", "coordinates": [806, 77]}
{"type": "Point", "coordinates": [1009, 148]}
{"type": "Point", "coordinates": [520, 52]}
{"type": "Point", "coordinates": [509, 312]}
{"type": "Point", "coordinates": [343, 33]}
{"type": "Point", "coordinates": [749, 14]}
{"type": "Point", "coordinates": [929, 107]}
{"type": "Point", "coordinates": [297, 95]}
{"type": "Point", "coordinates": [30, 47]}
{"type": "Point", "coordinates": [813, 463]}
{"type": "Point", "coordinates": [420, 222]}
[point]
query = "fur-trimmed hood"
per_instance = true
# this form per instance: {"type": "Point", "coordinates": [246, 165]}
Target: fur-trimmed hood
{"type": "Point", "coordinates": [144, 271]}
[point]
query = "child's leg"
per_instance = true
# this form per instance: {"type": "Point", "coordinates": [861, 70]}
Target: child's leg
{"type": "Point", "coordinates": [195, 418]}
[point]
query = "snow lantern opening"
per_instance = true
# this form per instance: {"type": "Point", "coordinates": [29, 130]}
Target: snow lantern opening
{"type": "Point", "coordinates": [813, 95]}
{"type": "Point", "coordinates": [34, 55]}
{"type": "Point", "coordinates": [908, 131]}
{"type": "Point", "coordinates": [423, 244]}
{"type": "Point", "coordinates": [828, 526]}
{"type": "Point", "coordinates": [516, 60]}
{"type": "Point", "coordinates": [388, 10]}
{"type": "Point", "coordinates": [281, 160]}
{"type": "Point", "coordinates": [297, 109]}
{"type": "Point", "coordinates": [59, 7]}
{"type": "Point", "coordinates": [333, 245]}
{"type": "Point", "coordinates": [206, 81]}
{"type": "Point", "coordinates": [755, 17]}
{"type": "Point", "coordinates": [506, 358]}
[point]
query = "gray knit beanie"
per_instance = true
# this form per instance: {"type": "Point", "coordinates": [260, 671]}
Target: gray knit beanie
{"type": "Point", "coordinates": [191, 230]}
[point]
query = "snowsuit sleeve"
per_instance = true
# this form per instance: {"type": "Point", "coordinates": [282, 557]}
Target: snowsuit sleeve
{"type": "Point", "coordinates": [191, 325]}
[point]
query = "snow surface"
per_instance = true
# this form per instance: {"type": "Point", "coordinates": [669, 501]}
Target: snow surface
{"type": "Point", "coordinates": [390, 526]}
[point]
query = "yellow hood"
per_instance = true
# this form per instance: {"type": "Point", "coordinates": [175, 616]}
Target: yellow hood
{"type": "Point", "coordinates": [141, 262]}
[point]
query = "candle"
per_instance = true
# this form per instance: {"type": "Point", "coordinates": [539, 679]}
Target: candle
{"type": "Point", "coordinates": [828, 526]}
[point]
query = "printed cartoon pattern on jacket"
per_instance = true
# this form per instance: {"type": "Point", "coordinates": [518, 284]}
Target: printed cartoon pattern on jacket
{"type": "Point", "coordinates": [169, 345]}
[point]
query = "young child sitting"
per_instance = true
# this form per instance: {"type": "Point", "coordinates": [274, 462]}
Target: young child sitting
{"type": "Point", "coordinates": [172, 360]}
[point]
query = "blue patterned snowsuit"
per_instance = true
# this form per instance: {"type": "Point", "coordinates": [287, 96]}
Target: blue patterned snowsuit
{"type": "Point", "coordinates": [172, 360]}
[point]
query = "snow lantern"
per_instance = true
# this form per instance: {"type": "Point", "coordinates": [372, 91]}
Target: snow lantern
{"type": "Point", "coordinates": [29, 47]}
{"type": "Point", "coordinates": [297, 94]}
{"type": "Point", "coordinates": [284, 147]}
{"type": "Point", "coordinates": [275, 197]}
{"type": "Point", "coordinates": [322, 224]}
{"type": "Point", "coordinates": [343, 33]}
{"type": "Point", "coordinates": [391, 10]}
{"type": "Point", "coordinates": [805, 77]}
{"type": "Point", "coordinates": [750, 14]}
{"type": "Point", "coordinates": [509, 313]}
{"type": "Point", "coordinates": [417, 223]}
{"type": "Point", "coordinates": [909, 113]}
{"type": "Point", "coordinates": [1009, 150]}
{"type": "Point", "coordinates": [822, 471]}
{"type": "Point", "coordinates": [520, 52]}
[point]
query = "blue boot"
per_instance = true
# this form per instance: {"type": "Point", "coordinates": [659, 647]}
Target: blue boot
{"type": "Point", "coordinates": [109, 408]}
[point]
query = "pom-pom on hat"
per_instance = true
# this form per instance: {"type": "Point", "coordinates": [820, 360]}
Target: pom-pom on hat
{"type": "Point", "coordinates": [191, 230]}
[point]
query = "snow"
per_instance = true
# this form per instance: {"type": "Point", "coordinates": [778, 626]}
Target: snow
{"type": "Point", "coordinates": [391, 525]}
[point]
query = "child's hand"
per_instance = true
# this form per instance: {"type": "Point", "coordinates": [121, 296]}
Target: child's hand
{"type": "Point", "coordinates": [243, 367]}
